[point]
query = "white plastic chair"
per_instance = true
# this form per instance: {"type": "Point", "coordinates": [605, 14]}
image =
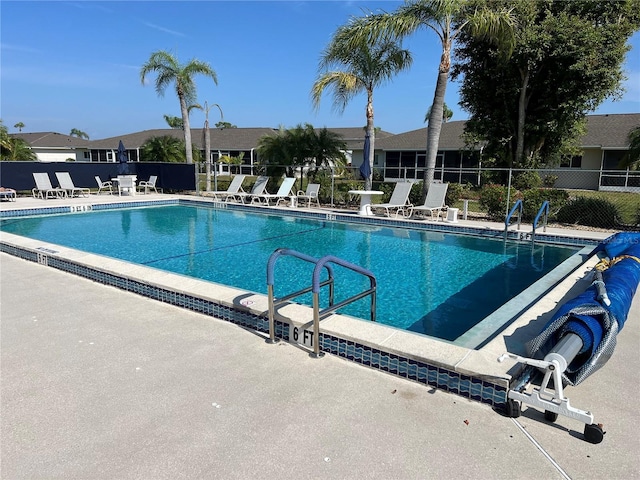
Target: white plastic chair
{"type": "Point", "coordinates": [399, 201]}
{"type": "Point", "coordinates": [108, 185]}
{"type": "Point", "coordinates": [434, 203]}
{"type": "Point", "coordinates": [148, 184]}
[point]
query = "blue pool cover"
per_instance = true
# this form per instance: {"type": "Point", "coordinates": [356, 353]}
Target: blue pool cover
{"type": "Point", "coordinates": [588, 316]}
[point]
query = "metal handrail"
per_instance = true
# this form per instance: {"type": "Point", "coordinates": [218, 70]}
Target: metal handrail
{"type": "Point", "coordinates": [544, 209]}
{"type": "Point", "coordinates": [273, 303]}
{"type": "Point", "coordinates": [519, 207]}
{"type": "Point", "coordinates": [316, 285]}
{"type": "Point", "coordinates": [363, 271]}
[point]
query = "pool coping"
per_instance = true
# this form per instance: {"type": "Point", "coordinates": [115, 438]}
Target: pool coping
{"type": "Point", "coordinates": [473, 374]}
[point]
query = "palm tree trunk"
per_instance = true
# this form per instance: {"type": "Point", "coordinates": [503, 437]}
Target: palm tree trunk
{"type": "Point", "coordinates": [435, 119]}
{"type": "Point", "coordinates": [187, 129]}
{"type": "Point", "coordinates": [368, 182]}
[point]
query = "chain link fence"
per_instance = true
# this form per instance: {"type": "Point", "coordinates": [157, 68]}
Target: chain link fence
{"type": "Point", "coordinates": [588, 199]}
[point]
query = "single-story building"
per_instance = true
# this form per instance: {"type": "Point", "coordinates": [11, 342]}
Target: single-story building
{"type": "Point", "coordinates": [400, 156]}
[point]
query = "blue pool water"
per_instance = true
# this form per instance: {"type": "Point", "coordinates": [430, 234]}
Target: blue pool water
{"type": "Point", "coordinates": [432, 283]}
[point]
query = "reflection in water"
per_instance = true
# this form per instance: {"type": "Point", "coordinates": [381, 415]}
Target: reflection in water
{"type": "Point", "coordinates": [126, 222]}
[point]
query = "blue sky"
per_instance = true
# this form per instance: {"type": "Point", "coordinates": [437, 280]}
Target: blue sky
{"type": "Point", "coordinates": [76, 64]}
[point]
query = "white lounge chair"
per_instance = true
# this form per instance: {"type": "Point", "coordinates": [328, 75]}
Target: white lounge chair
{"type": "Point", "coordinates": [126, 183]}
{"type": "Point", "coordinates": [283, 192]}
{"type": "Point", "coordinates": [148, 184]}
{"type": "Point", "coordinates": [434, 203]}
{"type": "Point", "coordinates": [257, 189]}
{"type": "Point", "coordinates": [399, 201]}
{"type": "Point", "coordinates": [64, 179]}
{"type": "Point", "coordinates": [44, 189]}
{"type": "Point", "coordinates": [234, 187]}
{"type": "Point", "coordinates": [108, 185]}
{"type": "Point", "coordinates": [310, 195]}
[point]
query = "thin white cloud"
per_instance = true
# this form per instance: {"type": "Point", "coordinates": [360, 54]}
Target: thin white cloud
{"type": "Point", "coordinates": [18, 48]}
{"type": "Point", "coordinates": [163, 29]}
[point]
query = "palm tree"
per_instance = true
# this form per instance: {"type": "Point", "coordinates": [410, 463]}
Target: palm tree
{"type": "Point", "coordinates": [173, 122]}
{"type": "Point", "coordinates": [360, 67]}
{"type": "Point", "coordinates": [78, 133]}
{"type": "Point", "coordinates": [163, 149]}
{"type": "Point", "coordinates": [19, 126]}
{"type": "Point", "coordinates": [447, 113]}
{"type": "Point", "coordinates": [18, 150]}
{"type": "Point", "coordinates": [327, 148]}
{"type": "Point", "coordinates": [447, 19]}
{"type": "Point", "coordinates": [169, 70]}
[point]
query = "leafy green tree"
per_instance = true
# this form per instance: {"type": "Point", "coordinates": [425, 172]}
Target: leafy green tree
{"type": "Point", "coordinates": [447, 19]}
{"type": "Point", "coordinates": [78, 133]}
{"type": "Point", "coordinates": [566, 59]}
{"type": "Point", "coordinates": [358, 68]}
{"type": "Point", "coordinates": [632, 157]}
{"type": "Point", "coordinates": [173, 122]}
{"type": "Point", "coordinates": [222, 125]}
{"type": "Point", "coordinates": [170, 71]}
{"type": "Point", "coordinates": [19, 126]}
{"type": "Point", "coordinates": [4, 137]}
{"type": "Point", "coordinates": [163, 149]}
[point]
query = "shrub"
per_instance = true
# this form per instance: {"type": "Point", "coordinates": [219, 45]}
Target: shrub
{"type": "Point", "coordinates": [454, 192]}
{"type": "Point", "coordinates": [592, 212]}
{"type": "Point", "coordinates": [526, 180]}
{"type": "Point", "coordinates": [533, 199]}
{"type": "Point", "coordinates": [493, 199]}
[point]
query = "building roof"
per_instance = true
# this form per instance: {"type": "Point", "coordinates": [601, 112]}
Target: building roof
{"type": "Point", "coordinates": [606, 131]}
{"type": "Point", "coordinates": [52, 140]}
{"type": "Point", "coordinates": [610, 131]}
{"type": "Point", "coordinates": [226, 138]}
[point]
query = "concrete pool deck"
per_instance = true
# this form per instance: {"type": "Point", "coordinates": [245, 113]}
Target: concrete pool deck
{"type": "Point", "coordinates": [141, 389]}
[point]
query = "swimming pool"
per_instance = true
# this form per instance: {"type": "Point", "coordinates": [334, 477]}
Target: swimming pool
{"type": "Point", "coordinates": [433, 283]}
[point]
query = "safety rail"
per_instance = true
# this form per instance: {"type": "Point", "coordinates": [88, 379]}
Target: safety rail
{"type": "Point", "coordinates": [316, 285]}
{"type": "Point", "coordinates": [544, 210]}
{"type": "Point", "coordinates": [519, 207]}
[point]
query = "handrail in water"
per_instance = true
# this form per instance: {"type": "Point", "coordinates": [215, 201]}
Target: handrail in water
{"type": "Point", "coordinates": [519, 206]}
{"type": "Point", "coordinates": [544, 209]}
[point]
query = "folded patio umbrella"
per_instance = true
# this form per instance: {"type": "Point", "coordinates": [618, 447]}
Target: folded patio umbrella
{"type": "Point", "coordinates": [596, 318]}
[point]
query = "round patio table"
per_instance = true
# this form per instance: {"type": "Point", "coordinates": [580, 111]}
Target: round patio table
{"type": "Point", "coordinates": [365, 200]}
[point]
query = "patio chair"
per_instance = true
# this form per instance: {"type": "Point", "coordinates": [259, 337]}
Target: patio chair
{"type": "Point", "coordinates": [434, 203]}
{"type": "Point", "coordinates": [127, 184]}
{"type": "Point", "coordinates": [234, 187]}
{"type": "Point", "coordinates": [283, 192]}
{"type": "Point", "coordinates": [64, 179]}
{"type": "Point", "coordinates": [148, 184]}
{"type": "Point", "coordinates": [108, 185]}
{"type": "Point", "coordinates": [257, 189]}
{"type": "Point", "coordinates": [399, 201]}
{"type": "Point", "coordinates": [310, 195]}
{"type": "Point", "coordinates": [8, 194]}
{"type": "Point", "coordinates": [44, 189]}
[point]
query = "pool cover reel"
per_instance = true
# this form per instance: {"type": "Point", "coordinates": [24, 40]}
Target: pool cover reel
{"type": "Point", "coordinates": [598, 314]}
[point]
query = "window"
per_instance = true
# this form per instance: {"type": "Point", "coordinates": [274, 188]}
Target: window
{"type": "Point", "coordinates": [571, 162]}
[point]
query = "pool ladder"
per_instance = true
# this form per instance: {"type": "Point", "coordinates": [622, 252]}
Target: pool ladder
{"type": "Point", "coordinates": [320, 264]}
{"type": "Point", "coordinates": [518, 208]}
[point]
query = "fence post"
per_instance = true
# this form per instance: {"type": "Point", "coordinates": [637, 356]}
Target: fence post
{"type": "Point", "coordinates": [506, 214]}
